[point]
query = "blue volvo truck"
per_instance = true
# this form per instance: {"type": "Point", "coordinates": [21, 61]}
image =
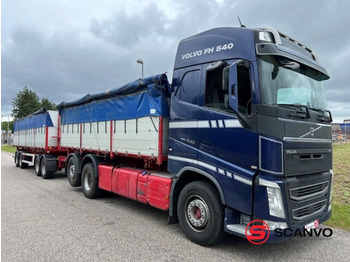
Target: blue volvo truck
{"type": "Point", "coordinates": [249, 116]}
{"type": "Point", "coordinates": [242, 134]}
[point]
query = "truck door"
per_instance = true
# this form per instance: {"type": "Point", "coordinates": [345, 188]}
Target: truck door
{"type": "Point", "coordinates": [225, 143]}
{"type": "Point", "coordinates": [184, 114]}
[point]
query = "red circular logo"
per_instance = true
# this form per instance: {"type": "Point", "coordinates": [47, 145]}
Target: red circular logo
{"type": "Point", "coordinates": [256, 234]}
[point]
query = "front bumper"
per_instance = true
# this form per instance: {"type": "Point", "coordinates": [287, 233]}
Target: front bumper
{"type": "Point", "coordinates": [276, 235]}
{"type": "Point", "coordinates": [306, 198]}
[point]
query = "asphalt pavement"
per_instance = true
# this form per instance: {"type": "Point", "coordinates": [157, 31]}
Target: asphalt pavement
{"type": "Point", "coordinates": [48, 220]}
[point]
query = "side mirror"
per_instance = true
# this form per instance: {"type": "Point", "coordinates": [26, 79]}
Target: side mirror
{"type": "Point", "coordinates": [225, 79]}
{"type": "Point", "coordinates": [229, 85]}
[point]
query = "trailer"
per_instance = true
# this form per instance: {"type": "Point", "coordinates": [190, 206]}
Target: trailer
{"type": "Point", "coordinates": [129, 121]}
{"type": "Point", "coordinates": [108, 133]}
{"type": "Point", "coordinates": [241, 138]}
{"type": "Point", "coordinates": [36, 139]}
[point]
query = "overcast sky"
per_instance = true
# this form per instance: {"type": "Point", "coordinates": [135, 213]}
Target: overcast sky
{"type": "Point", "coordinates": [64, 49]}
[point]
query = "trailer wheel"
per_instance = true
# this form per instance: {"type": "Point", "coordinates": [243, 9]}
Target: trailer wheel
{"type": "Point", "coordinates": [73, 176]}
{"type": "Point", "coordinates": [20, 161]}
{"type": "Point", "coordinates": [201, 213]}
{"type": "Point", "coordinates": [43, 169]}
{"type": "Point", "coordinates": [90, 182]}
{"type": "Point", "coordinates": [17, 159]}
{"type": "Point", "coordinates": [37, 168]}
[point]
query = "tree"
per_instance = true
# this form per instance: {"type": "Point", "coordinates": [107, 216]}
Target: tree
{"type": "Point", "coordinates": [4, 125]}
{"type": "Point", "coordinates": [45, 102]}
{"type": "Point", "coordinates": [27, 102]}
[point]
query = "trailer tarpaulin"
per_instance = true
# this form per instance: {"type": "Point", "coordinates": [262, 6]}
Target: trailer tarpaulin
{"type": "Point", "coordinates": [33, 121]}
{"type": "Point", "coordinates": [143, 97]}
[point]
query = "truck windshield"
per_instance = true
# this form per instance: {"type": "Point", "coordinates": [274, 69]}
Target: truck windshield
{"type": "Point", "coordinates": [284, 82]}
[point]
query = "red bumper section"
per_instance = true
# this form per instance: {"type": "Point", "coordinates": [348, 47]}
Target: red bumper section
{"type": "Point", "coordinates": [137, 184]}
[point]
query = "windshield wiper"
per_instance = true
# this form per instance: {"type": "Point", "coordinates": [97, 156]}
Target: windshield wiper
{"type": "Point", "coordinates": [326, 115]}
{"type": "Point", "coordinates": [301, 111]}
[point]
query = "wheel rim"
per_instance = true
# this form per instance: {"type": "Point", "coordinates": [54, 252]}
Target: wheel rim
{"type": "Point", "coordinates": [197, 213]}
{"type": "Point", "coordinates": [36, 165]}
{"type": "Point", "coordinates": [43, 169]}
{"type": "Point", "coordinates": [87, 181]}
{"type": "Point", "coordinates": [71, 171]}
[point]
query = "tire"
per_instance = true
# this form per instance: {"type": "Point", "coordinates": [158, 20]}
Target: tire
{"type": "Point", "coordinates": [201, 214]}
{"type": "Point", "coordinates": [74, 178]}
{"type": "Point", "coordinates": [90, 182]}
{"type": "Point", "coordinates": [16, 160]}
{"type": "Point", "coordinates": [37, 168]}
{"type": "Point", "coordinates": [44, 173]}
{"type": "Point", "coordinates": [20, 161]}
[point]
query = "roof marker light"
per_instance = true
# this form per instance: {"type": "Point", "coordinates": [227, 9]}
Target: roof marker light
{"type": "Point", "coordinates": [265, 36]}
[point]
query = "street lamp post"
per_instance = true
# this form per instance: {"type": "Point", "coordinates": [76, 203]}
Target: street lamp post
{"type": "Point", "coordinates": [8, 127]}
{"type": "Point", "coordinates": [140, 61]}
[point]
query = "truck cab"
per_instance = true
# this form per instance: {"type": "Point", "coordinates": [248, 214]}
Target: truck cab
{"type": "Point", "coordinates": [249, 116]}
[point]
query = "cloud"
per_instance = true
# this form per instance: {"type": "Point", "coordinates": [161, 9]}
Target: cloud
{"type": "Point", "coordinates": [128, 30]}
{"type": "Point", "coordinates": [84, 49]}
{"type": "Point", "coordinates": [340, 111]}
{"type": "Point", "coordinates": [66, 65]}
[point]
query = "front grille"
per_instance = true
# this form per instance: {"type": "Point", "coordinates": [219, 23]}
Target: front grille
{"type": "Point", "coordinates": [305, 212]}
{"type": "Point", "coordinates": [307, 162]}
{"type": "Point", "coordinates": [304, 192]}
{"type": "Point", "coordinates": [307, 197]}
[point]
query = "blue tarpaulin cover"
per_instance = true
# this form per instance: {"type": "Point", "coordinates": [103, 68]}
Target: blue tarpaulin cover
{"type": "Point", "coordinates": [33, 121]}
{"type": "Point", "coordinates": [140, 98]}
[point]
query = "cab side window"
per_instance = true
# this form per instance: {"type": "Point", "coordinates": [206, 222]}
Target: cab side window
{"type": "Point", "coordinates": [214, 93]}
{"type": "Point", "coordinates": [188, 88]}
{"type": "Point", "coordinates": [216, 96]}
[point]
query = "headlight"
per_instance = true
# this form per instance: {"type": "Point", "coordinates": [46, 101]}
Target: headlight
{"type": "Point", "coordinates": [275, 202]}
{"type": "Point", "coordinates": [274, 196]}
{"type": "Point", "coordinates": [330, 197]}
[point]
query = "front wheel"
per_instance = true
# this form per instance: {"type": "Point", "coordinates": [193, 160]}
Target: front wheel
{"type": "Point", "coordinates": [201, 214]}
{"type": "Point", "coordinates": [90, 182]}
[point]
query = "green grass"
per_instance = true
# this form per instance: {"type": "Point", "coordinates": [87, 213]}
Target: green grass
{"type": "Point", "coordinates": [340, 216]}
{"type": "Point", "coordinates": [8, 148]}
{"type": "Point", "coordinates": [341, 187]}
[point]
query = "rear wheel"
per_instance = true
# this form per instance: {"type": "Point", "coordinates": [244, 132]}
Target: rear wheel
{"type": "Point", "coordinates": [37, 165]}
{"type": "Point", "coordinates": [73, 176]}
{"type": "Point", "coordinates": [201, 214]}
{"type": "Point", "coordinates": [17, 158]}
{"type": "Point", "coordinates": [90, 182]}
{"type": "Point", "coordinates": [21, 164]}
{"type": "Point", "coordinates": [43, 169]}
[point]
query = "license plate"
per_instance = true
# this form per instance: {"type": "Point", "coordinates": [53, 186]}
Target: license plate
{"type": "Point", "coordinates": [314, 224]}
